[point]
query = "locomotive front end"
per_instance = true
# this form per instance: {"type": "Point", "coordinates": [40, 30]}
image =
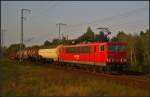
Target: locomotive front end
{"type": "Point", "coordinates": [117, 54]}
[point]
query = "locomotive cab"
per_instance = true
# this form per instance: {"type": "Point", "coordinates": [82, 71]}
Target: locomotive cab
{"type": "Point", "coordinates": [117, 53]}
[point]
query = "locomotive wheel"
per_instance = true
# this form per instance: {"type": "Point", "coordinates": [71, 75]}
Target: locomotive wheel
{"type": "Point", "coordinates": [97, 68]}
{"type": "Point", "coordinates": [125, 68]}
{"type": "Point", "coordinates": [93, 68]}
{"type": "Point", "coordinates": [109, 68]}
{"type": "Point", "coordinates": [104, 69]}
{"type": "Point", "coordinates": [101, 69]}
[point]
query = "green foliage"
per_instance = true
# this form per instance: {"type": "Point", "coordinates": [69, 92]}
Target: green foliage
{"type": "Point", "coordinates": [89, 36]}
{"type": "Point", "coordinates": [121, 37]}
{"type": "Point", "coordinates": [86, 37]}
{"type": "Point", "coordinates": [55, 41]}
{"type": "Point", "coordinates": [65, 41]}
{"type": "Point", "coordinates": [47, 43]}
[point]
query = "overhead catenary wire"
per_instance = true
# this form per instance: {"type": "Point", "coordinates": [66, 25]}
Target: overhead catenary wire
{"type": "Point", "coordinates": [112, 17]}
{"type": "Point", "coordinates": [122, 15]}
{"type": "Point", "coordinates": [50, 8]}
{"type": "Point", "coordinates": [107, 18]}
{"type": "Point", "coordinates": [110, 26]}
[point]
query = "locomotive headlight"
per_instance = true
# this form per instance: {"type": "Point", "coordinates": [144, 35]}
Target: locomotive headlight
{"type": "Point", "coordinates": [125, 60]}
{"type": "Point", "coordinates": [108, 59]}
{"type": "Point", "coordinates": [121, 60]}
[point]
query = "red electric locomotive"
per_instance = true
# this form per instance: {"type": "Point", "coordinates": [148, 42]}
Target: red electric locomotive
{"type": "Point", "coordinates": [107, 54]}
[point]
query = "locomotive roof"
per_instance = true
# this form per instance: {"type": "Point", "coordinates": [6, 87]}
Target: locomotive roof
{"type": "Point", "coordinates": [88, 44]}
{"type": "Point", "coordinates": [97, 43]}
{"type": "Point", "coordinates": [119, 43]}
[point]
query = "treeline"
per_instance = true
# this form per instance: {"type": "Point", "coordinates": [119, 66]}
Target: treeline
{"type": "Point", "coordinates": [138, 49]}
{"type": "Point", "coordinates": [88, 37]}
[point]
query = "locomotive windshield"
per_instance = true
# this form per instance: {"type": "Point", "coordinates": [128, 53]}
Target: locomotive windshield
{"type": "Point", "coordinates": [117, 48]}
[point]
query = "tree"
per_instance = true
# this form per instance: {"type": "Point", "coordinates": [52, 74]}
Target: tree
{"type": "Point", "coordinates": [47, 43]}
{"type": "Point", "coordinates": [114, 39]}
{"type": "Point", "coordinates": [122, 37]}
{"type": "Point", "coordinates": [65, 40]}
{"type": "Point", "coordinates": [144, 48]}
{"type": "Point", "coordinates": [55, 41]}
{"type": "Point", "coordinates": [86, 37]}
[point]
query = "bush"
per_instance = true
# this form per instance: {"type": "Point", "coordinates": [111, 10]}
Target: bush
{"type": "Point", "coordinates": [145, 69]}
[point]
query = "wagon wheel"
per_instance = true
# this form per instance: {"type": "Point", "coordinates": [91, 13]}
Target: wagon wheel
{"type": "Point", "coordinates": [104, 69]}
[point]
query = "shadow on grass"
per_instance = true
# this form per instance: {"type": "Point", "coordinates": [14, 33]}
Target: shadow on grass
{"type": "Point", "coordinates": [135, 73]}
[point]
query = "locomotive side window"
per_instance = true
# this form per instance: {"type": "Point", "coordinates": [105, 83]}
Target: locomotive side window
{"type": "Point", "coordinates": [72, 50]}
{"type": "Point", "coordinates": [75, 50]}
{"type": "Point", "coordinates": [85, 49]}
{"type": "Point", "coordinates": [117, 48]}
{"type": "Point", "coordinates": [121, 48]}
{"type": "Point", "coordinates": [102, 48]}
{"type": "Point", "coordinates": [69, 50]}
{"type": "Point", "coordinates": [112, 48]}
{"type": "Point", "coordinates": [82, 49]}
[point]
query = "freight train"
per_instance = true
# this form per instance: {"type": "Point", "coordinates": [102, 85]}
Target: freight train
{"type": "Point", "coordinates": [112, 55]}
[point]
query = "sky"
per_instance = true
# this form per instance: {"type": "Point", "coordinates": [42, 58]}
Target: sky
{"type": "Point", "coordinates": [40, 24]}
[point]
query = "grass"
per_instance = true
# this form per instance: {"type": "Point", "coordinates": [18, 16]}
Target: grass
{"type": "Point", "coordinates": [31, 80]}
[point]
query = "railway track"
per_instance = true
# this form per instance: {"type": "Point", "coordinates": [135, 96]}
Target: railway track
{"type": "Point", "coordinates": [137, 81]}
{"type": "Point", "coordinates": [122, 79]}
